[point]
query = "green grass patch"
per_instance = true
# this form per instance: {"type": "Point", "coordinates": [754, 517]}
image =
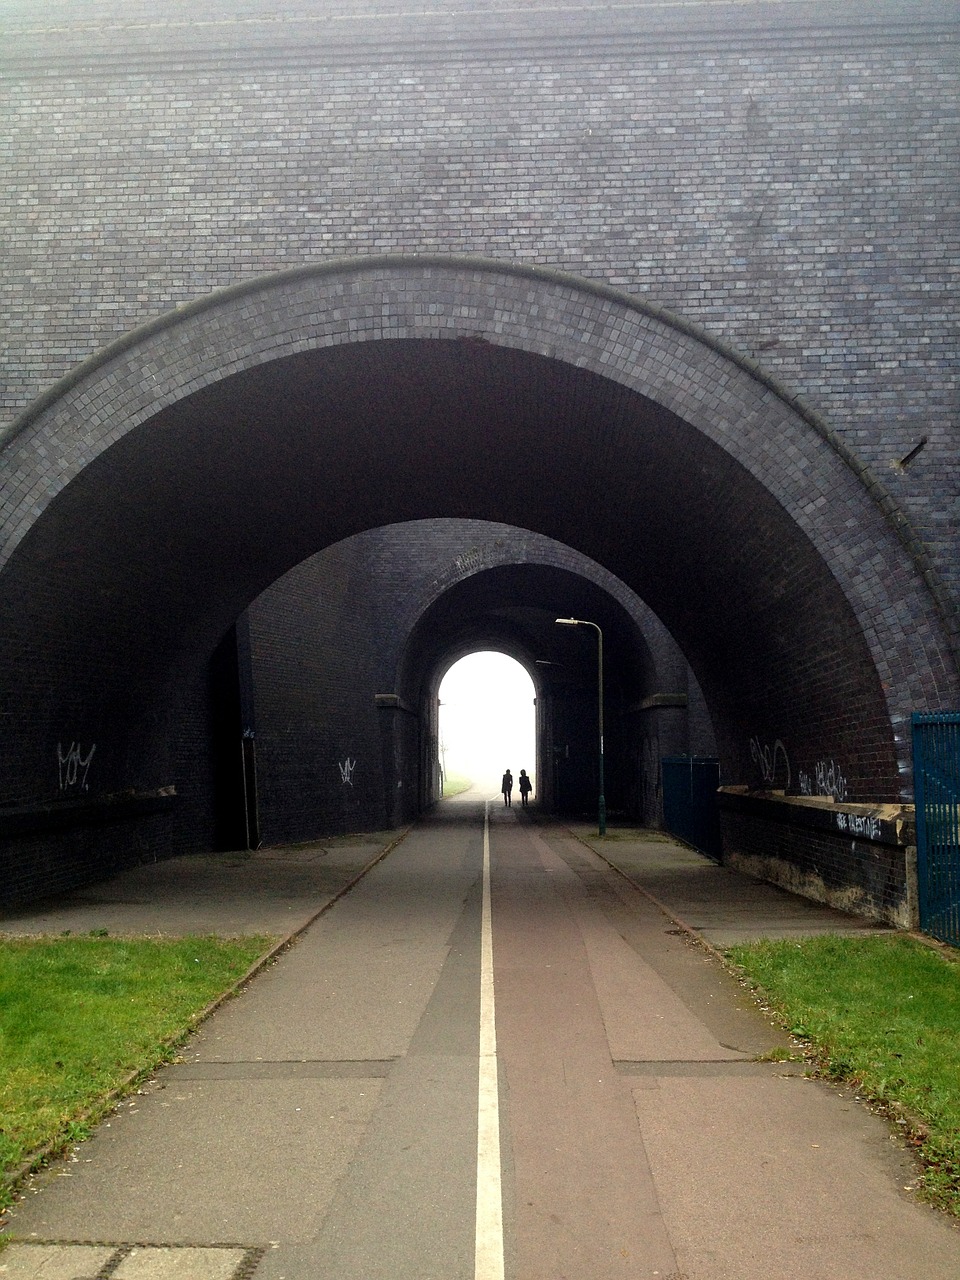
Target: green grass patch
{"type": "Point", "coordinates": [882, 1013]}
{"type": "Point", "coordinates": [454, 784]}
{"type": "Point", "coordinates": [80, 1015]}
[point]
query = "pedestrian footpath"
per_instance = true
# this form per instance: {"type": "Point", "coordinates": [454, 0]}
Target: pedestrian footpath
{"type": "Point", "coordinates": [286, 1107]}
{"type": "Point", "coordinates": [717, 904]}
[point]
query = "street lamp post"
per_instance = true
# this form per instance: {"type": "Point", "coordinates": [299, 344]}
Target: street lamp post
{"type": "Point", "coordinates": [581, 622]}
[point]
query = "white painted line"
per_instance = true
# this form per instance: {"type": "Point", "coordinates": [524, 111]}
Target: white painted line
{"type": "Point", "coordinates": [489, 1252]}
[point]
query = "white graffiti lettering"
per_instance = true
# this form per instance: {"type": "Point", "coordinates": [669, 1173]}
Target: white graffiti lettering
{"type": "Point", "coordinates": [73, 766]}
{"type": "Point", "coordinates": [855, 824]}
{"type": "Point", "coordinates": [765, 757]}
{"type": "Point", "coordinates": [827, 781]}
{"type": "Point", "coordinates": [830, 781]}
{"type": "Point", "coordinates": [346, 771]}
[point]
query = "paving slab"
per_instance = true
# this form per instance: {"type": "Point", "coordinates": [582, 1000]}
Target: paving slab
{"type": "Point", "coordinates": [53, 1261]}
{"type": "Point", "coordinates": [147, 1262]}
{"type": "Point", "coordinates": [783, 1176]}
{"type": "Point", "coordinates": [271, 891]}
{"type": "Point", "coordinates": [210, 1160]}
{"type": "Point", "coordinates": [170, 1264]}
{"type": "Point", "coordinates": [722, 905]}
{"type": "Point", "coordinates": [298, 1113]}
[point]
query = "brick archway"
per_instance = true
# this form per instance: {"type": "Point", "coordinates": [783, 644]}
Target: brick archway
{"type": "Point", "coordinates": [635, 343]}
{"type": "Point", "coordinates": [161, 487]}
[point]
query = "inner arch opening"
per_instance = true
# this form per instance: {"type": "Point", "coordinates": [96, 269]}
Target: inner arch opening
{"type": "Point", "coordinates": [487, 721]}
{"type": "Point", "coordinates": [150, 513]}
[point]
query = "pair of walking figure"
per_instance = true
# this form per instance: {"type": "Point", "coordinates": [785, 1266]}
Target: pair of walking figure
{"type": "Point", "coordinates": [524, 784]}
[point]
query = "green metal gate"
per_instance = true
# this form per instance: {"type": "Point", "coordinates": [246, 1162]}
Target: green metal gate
{"type": "Point", "coordinates": [690, 808]}
{"type": "Point", "coordinates": [936, 782]}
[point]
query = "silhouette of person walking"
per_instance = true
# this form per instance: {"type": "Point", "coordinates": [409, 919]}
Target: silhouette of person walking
{"type": "Point", "coordinates": [525, 785]}
{"type": "Point", "coordinates": [506, 786]}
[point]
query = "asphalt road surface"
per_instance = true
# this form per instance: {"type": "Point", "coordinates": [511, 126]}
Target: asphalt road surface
{"type": "Point", "coordinates": [491, 1059]}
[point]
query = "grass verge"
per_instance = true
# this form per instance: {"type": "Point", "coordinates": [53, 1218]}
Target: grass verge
{"type": "Point", "coordinates": [454, 784]}
{"type": "Point", "coordinates": [82, 1019]}
{"type": "Point", "coordinates": [881, 1013]}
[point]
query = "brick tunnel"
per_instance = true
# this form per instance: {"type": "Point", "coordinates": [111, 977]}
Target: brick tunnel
{"type": "Point", "coordinates": [168, 483]}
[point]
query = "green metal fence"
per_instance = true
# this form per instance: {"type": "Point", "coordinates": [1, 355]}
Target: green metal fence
{"type": "Point", "coordinates": [936, 780]}
{"type": "Point", "coordinates": [690, 808]}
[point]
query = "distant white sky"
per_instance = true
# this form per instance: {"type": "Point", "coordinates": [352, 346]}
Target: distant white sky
{"type": "Point", "coordinates": [488, 719]}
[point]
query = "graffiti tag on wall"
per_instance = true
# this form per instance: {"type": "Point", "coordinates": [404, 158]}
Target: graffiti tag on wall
{"type": "Point", "coordinates": [827, 781]}
{"type": "Point", "coordinates": [855, 824]}
{"type": "Point", "coordinates": [765, 757]}
{"type": "Point", "coordinates": [74, 766]}
{"type": "Point", "coordinates": [346, 771]}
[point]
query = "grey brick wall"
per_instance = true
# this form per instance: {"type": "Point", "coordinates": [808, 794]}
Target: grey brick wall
{"type": "Point", "coordinates": [373, 615]}
{"type": "Point", "coordinates": [784, 577]}
{"type": "Point", "coordinates": [782, 175]}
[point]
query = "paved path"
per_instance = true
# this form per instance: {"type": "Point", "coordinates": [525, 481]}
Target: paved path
{"type": "Point", "coordinates": [719, 904]}
{"type": "Point", "coordinates": [269, 891]}
{"type": "Point", "coordinates": [324, 1124]}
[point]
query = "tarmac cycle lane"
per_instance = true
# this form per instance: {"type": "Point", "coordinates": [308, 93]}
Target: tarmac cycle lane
{"type": "Point", "coordinates": [337, 1119]}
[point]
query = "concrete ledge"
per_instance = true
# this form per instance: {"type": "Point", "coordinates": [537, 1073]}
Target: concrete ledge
{"type": "Point", "coordinates": [22, 820]}
{"type": "Point", "coordinates": [857, 858]}
{"type": "Point", "coordinates": [392, 702]}
{"type": "Point", "coordinates": [663, 700]}
{"type": "Point", "coordinates": [891, 824]}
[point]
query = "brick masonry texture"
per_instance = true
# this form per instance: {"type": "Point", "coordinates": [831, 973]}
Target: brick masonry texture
{"type": "Point", "coordinates": [864, 878]}
{"type": "Point", "coordinates": [771, 496]}
{"type": "Point", "coordinates": [388, 611]}
{"type": "Point", "coordinates": [781, 177]}
{"type": "Point", "coordinates": [784, 178]}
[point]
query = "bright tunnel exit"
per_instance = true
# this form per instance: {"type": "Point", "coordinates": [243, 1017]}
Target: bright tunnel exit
{"type": "Point", "coordinates": [487, 723]}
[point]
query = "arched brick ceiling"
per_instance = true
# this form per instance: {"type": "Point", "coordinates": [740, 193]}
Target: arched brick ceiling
{"type": "Point", "coordinates": [154, 548]}
{"type": "Point", "coordinates": [514, 608]}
